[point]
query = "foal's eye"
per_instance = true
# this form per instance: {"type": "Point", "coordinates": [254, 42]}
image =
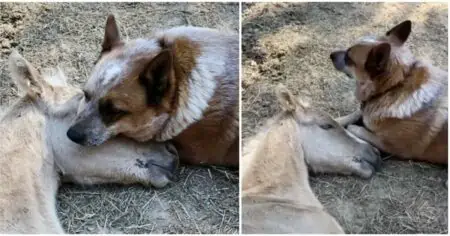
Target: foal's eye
{"type": "Point", "coordinates": [326, 126]}
{"type": "Point", "coordinates": [87, 96]}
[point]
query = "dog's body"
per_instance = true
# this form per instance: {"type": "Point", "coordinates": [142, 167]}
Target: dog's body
{"type": "Point", "coordinates": [404, 101]}
{"type": "Point", "coordinates": [180, 84]}
{"type": "Point", "coordinates": [415, 127]}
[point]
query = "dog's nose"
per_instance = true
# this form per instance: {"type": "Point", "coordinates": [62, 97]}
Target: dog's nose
{"type": "Point", "coordinates": [76, 136]}
{"type": "Point", "coordinates": [333, 56]}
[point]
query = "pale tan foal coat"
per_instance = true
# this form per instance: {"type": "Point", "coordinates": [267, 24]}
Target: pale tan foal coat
{"type": "Point", "coordinates": [28, 179]}
{"type": "Point", "coordinates": [276, 196]}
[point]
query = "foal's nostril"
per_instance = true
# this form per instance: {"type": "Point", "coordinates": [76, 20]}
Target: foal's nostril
{"type": "Point", "coordinates": [171, 149]}
{"type": "Point", "coordinates": [372, 150]}
{"type": "Point", "coordinates": [377, 152]}
{"type": "Point", "coordinates": [173, 166]}
{"type": "Point", "coordinates": [76, 136]}
{"type": "Point", "coordinates": [374, 157]}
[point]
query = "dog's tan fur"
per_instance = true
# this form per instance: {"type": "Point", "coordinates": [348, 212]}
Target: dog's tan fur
{"type": "Point", "coordinates": [276, 196]}
{"type": "Point", "coordinates": [405, 102]}
{"type": "Point", "coordinates": [196, 72]}
{"type": "Point", "coordinates": [34, 150]}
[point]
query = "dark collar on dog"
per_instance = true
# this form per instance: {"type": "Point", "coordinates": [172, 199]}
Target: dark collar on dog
{"type": "Point", "coordinates": [406, 74]}
{"type": "Point", "coordinates": [378, 95]}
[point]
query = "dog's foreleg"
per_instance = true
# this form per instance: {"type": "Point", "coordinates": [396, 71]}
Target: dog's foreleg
{"type": "Point", "coordinates": [350, 118]}
{"type": "Point", "coordinates": [367, 136]}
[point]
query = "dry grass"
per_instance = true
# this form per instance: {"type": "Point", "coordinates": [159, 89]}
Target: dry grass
{"type": "Point", "coordinates": [290, 44]}
{"type": "Point", "coordinates": [203, 200]}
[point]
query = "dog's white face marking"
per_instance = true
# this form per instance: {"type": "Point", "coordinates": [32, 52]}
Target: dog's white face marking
{"type": "Point", "coordinates": [368, 39]}
{"type": "Point", "coordinates": [111, 73]}
{"type": "Point", "coordinates": [141, 46]}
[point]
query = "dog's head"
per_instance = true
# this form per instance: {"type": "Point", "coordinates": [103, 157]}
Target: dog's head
{"type": "Point", "coordinates": [131, 91]}
{"type": "Point", "coordinates": [378, 63]}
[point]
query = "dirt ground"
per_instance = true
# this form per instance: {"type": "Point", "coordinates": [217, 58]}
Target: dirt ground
{"type": "Point", "coordinates": [291, 44]}
{"type": "Point", "coordinates": [203, 200]}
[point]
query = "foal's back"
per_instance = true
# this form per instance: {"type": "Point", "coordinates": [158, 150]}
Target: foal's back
{"type": "Point", "coordinates": [269, 216]}
{"type": "Point", "coordinates": [276, 196]}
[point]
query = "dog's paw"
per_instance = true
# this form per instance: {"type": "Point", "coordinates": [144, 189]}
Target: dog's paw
{"type": "Point", "coordinates": [358, 131]}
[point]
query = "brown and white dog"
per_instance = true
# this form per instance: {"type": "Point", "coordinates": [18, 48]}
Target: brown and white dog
{"type": "Point", "coordinates": [404, 104]}
{"type": "Point", "coordinates": [180, 84]}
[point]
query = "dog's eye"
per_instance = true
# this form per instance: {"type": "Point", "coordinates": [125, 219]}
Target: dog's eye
{"type": "Point", "coordinates": [117, 112]}
{"type": "Point", "coordinates": [110, 113]}
{"type": "Point", "coordinates": [348, 61]}
{"type": "Point", "coordinates": [326, 126]}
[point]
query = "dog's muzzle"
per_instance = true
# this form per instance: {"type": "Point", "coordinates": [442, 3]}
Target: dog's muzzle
{"type": "Point", "coordinates": [76, 136]}
{"type": "Point", "coordinates": [338, 59]}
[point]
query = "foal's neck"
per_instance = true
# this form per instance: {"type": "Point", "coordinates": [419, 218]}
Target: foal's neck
{"type": "Point", "coordinates": [276, 170]}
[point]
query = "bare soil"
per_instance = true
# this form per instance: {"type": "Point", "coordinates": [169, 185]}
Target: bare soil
{"type": "Point", "coordinates": [203, 200]}
{"type": "Point", "coordinates": [291, 44]}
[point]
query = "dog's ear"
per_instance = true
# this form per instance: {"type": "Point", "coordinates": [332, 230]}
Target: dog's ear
{"type": "Point", "coordinates": [155, 77]}
{"type": "Point", "coordinates": [26, 77]}
{"type": "Point", "coordinates": [378, 59]}
{"type": "Point", "coordinates": [112, 35]}
{"type": "Point", "coordinates": [400, 33]}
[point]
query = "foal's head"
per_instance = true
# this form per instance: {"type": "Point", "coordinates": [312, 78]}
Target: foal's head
{"type": "Point", "coordinates": [327, 146]}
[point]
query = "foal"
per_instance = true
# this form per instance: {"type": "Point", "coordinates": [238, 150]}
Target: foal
{"type": "Point", "coordinates": [276, 196]}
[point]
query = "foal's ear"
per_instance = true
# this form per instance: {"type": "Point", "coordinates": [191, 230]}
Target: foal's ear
{"type": "Point", "coordinates": [25, 76]}
{"type": "Point", "coordinates": [287, 100]}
